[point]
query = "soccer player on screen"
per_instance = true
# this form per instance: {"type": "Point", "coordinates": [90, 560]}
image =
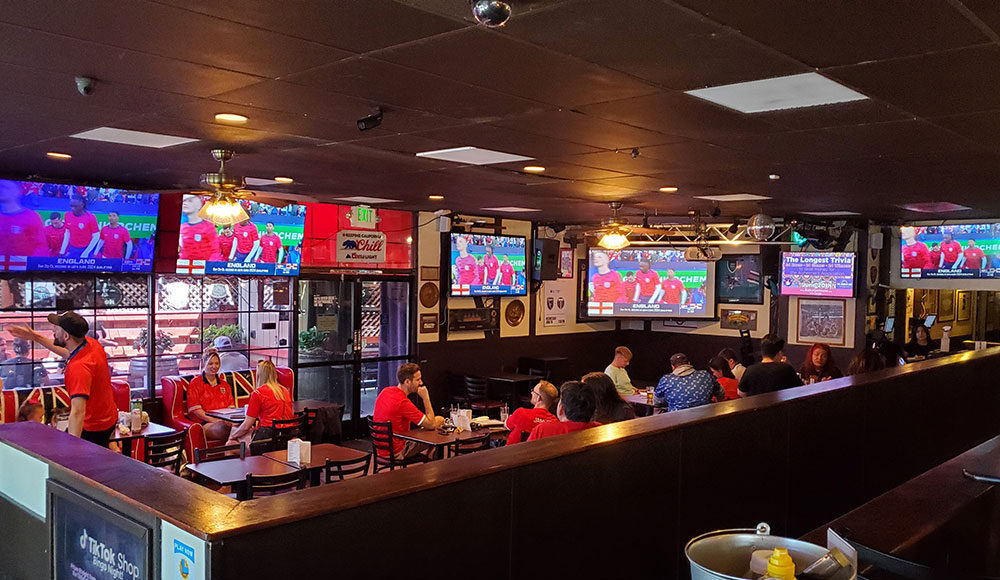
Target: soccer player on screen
{"type": "Point", "coordinates": [935, 255]}
{"type": "Point", "coordinates": [198, 236]}
{"type": "Point", "coordinates": [271, 249]}
{"type": "Point", "coordinates": [506, 272]}
{"type": "Point", "coordinates": [56, 235]}
{"type": "Point", "coordinates": [492, 267]}
{"type": "Point", "coordinates": [672, 289]}
{"type": "Point", "coordinates": [915, 254]}
{"type": "Point", "coordinates": [629, 286]}
{"type": "Point", "coordinates": [951, 252]}
{"type": "Point", "coordinates": [226, 245]}
{"type": "Point", "coordinates": [115, 241]}
{"type": "Point", "coordinates": [481, 272]}
{"type": "Point", "coordinates": [247, 241]}
{"type": "Point", "coordinates": [463, 272]}
{"type": "Point", "coordinates": [83, 230]}
{"type": "Point", "coordinates": [606, 285]}
{"type": "Point", "coordinates": [647, 281]}
{"type": "Point", "coordinates": [974, 256]}
{"type": "Point", "coordinates": [21, 229]}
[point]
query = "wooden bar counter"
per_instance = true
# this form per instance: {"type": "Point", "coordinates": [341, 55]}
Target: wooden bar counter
{"type": "Point", "coordinates": [618, 500]}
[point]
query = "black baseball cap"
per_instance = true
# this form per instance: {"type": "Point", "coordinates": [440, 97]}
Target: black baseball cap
{"type": "Point", "coordinates": [71, 322]}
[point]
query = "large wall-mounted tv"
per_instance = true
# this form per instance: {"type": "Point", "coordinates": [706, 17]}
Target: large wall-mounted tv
{"type": "Point", "coordinates": [66, 228]}
{"type": "Point", "coordinates": [488, 265]}
{"type": "Point", "coordinates": [958, 251]}
{"type": "Point", "coordinates": [268, 244]}
{"type": "Point", "coordinates": [651, 282]}
{"type": "Point", "coordinates": [821, 274]}
{"type": "Point", "coordinates": [739, 279]}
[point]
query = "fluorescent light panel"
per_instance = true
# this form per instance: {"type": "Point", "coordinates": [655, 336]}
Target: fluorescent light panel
{"type": "Point", "coordinates": [510, 209]}
{"type": "Point", "coordinates": [137, 138]}
{"type": "Point", "coordinates": [366, 199]}
{"type": "Point", "coordinates": [472, 156]}
{"type": "Point", "coordinates": [790, 92]}
{"type": "Point", "coordinates": [733, 197]}
{"type": "Point", "coordinates": [934, 207]}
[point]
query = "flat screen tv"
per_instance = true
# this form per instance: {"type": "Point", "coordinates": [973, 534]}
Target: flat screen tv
{"type": "Point", "coordinates": [958, 251]}
{"type": "Point", "coordinates": [65, 228]}
{"type": "Point", "coordinates": [817, 274]}
{"type": "Point", "coordinates": [268, 244]}
{"type": "Point", "coordinates": [488, 265]}
{"type": "Point", "coordinates": [739, 280]}
{"type": "Point", "coordinates": [650, 282]}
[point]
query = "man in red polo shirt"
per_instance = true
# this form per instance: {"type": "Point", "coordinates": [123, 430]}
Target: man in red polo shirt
{"type": "Point", "coordinates": [83, 230]}
{"type": "Point", "coordinates": [56, 235]}
{"type": "Point", "coordinates": [393, 406]}
{"type": "Point", "coordinates": [198, 235]}
{"type": "Point", "coordinates": [247, 241]}
{"type": "Point", "coordinates": [271, 249]}
{"type": "Point", "coordinates": [951, 252]}
{"type": "Point", "coordinates": [21, 229]}
{"type": "Point", "coordinates": [646, 280]}
{"type": "Point", "coordinates": [575, 411]}
{"type": "Point", "coordinates": [974, 256]}
{"type": "Point", "coordinates": [115, 242]}
{"type": "Point", "coordinates": [92, 413]}
{"type": "Point", "coordinates": [606, 285]}
{"type": "Point", "coordinates": [522, 421]}
{"type": "Point", "coordinates": [673, 289]}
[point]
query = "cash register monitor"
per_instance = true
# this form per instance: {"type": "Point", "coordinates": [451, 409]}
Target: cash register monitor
{"type": "Point", "coordinates": [929, 321]}
{"type": "Point", "coordinates": [890, 323]}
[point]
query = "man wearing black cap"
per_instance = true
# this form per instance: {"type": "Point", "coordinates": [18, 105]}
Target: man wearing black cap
{"type": "Point", "coordinates": [93, 414]}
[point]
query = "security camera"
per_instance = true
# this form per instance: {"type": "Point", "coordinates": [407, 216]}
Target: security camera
{"type": "Point", "coordinates": [85, 85]}
{"type": "Point", "coordinates": [491, 13]}
{"type": "Point", "coordinates": [635, 152]}
{"type": "Point", "coordinates": [371, 121]}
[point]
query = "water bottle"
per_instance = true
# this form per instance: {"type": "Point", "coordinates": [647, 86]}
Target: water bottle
{"type": "Point", "coordinates": [135, 423]}
{"type": "Point", "coordinates": [503, 413]}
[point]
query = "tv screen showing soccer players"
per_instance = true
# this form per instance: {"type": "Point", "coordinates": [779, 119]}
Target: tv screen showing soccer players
{"type": "Point", "coordinates": [820, 274]}
{"type": "Point", "coordinates": [488, 265]}
{"type": "Point", "coordinates": [268, 244]}
{"type": "Point", "coordinates": [649, 283]}
{"type": "Point", "coordinates": [739, 280]}
{"type": "Point", "coordinates": [952, 251]}
{"type": "Point", "coordinates": [70, 228]}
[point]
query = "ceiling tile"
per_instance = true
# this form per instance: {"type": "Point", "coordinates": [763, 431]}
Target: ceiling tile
{"type": "Point", "coordinates": [697, 155]}
{"type": "Point", "coordinates": [900, 138]}
{"type": "Point", "coordinates": [507, 141]}
{"type": "Point", "coordinates": [983, 128]}
{"type": "Point", "coordinates": [560, 170]}
{"type": "Point", "coordinates": [590, 130]}
{"type": "Point", "coordinates": [835, 115]}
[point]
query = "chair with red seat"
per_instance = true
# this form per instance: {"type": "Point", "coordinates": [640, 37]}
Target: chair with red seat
{"type": "Point", "coordinates": [477, 394]}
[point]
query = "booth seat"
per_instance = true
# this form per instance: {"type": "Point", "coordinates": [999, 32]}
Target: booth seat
{"type": "Point", "coordinates": [174, 390]}
{"type": "Point", "coordinates": [51, 397]}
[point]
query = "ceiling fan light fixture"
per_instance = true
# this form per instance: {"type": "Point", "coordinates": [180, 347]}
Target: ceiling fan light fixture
{"type": "Point", "coordinates": [223, 210]}
{"type": "Point", "coordinates": [613, 241]}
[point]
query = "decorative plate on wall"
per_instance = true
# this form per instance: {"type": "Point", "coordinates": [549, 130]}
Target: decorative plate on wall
{"type": "Point", "coordinates": [429, 294]}
{"type": "Point", "coordinates": [514, 313]}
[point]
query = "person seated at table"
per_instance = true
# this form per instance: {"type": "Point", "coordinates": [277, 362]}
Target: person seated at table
{"type": "Point", "coordinates": [207, 392]}
{"type": "Point", "coordinates": [921, 345]}
{"type": "Point", "coordinates": [269, 401]}
{"type": "Point", "coordinates": [393, 406]}
{"type": "Point", "coordinates": [819, 365]}
{"type": "Point", "coordinates": [611, 407]}
{"type": "Point", "coordinates": [31, 411]}
{"type": "Point", "coordinates": [684, 387]}
{"type": "Point", "coordinates": [772, 373]}
{"type": "Point", "coordinates": [734, 362]}
{"type": "Point", "coordinates": [19, 372]}
{"type": "Point", "coordinates": [575, 412]}
{"type": "Point", "coordinates": [866, 361]}
{"type": "Point", "coordinates": [616, 370]}
{"type": "Point", "coordinates": [544, 397]}
{"type": "Point", "coordinates": [723, 373]}
{"type": "Point", "coordinates": [892, 353]}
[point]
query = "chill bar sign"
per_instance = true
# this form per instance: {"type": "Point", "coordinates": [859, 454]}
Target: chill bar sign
{"type": "Point", "coordinates": [360, 247]}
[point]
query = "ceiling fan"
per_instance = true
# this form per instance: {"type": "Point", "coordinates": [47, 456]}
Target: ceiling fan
{"type": "Point", "coordinates": [614, 231]}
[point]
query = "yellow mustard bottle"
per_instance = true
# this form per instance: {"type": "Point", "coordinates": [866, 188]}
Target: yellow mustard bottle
{"type": "Point", "coordinates": [780, 565]}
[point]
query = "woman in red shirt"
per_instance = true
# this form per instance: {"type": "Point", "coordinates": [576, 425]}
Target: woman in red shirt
{"type": "Point", "coordinates": [268, 402]}
{"type": "Point", "coordinates": [208, 392]}
{"type": "Point", "coordinates": [722, 373]}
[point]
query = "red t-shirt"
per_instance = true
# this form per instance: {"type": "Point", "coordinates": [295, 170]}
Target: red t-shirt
{"type": "Point", "coordinates": [269, 246]}
{"type": "Point", "coordinates": [553, 428]}
{"type": "Point", "coordinates": [88, 376]}
{"type": "Point", "coordinates": [951, 250]}
{"type": "Point", "coordinates": [198, 240]}
{"type": "Point", "coordinates": [672, 291]}
{"type": "Point", "coordinates": [481, 275]}
{"type": "Point", "coordinates": [917, 256]}
{"type": "Point", "coordinates": [54, 239]}
{"type": "Point", "coordinates": [21, 233]}
{"type": "Point", "coordinates": [266, 407]}
{"type": "Point", "coordinates": [973, 257]}
{"type": "Point", "coordinates": [607, 287]}
{"type": "Point", "coordinates": [647, 281]}
{"type": "Point", "coordinates": [114, 241]}
{"type": "Point", "coordinates": [730, 386]}
{"type": "Point", "coordinates": [466, 269]}
{"type": "Point", "coordinates": [935, 256]}
{"type": "Point", "coordinates": [246, 235]}
{"type": "Point", "coordinates": [492, 266]}
{"type": "Point", "coordinates": [225, 247]}
{"type": "Point", "coordinates": [506, 274]}
{"type": "Point", "coordinates": [81, 228]}
{"type": "Point", "coordinates": [525, 420]}
{"type": "Point", "coordinates": [629, 289]}
{"type": "Point", "coordinates": [392, 405]}
{"type": "Point", "coordinates": [209, 398]}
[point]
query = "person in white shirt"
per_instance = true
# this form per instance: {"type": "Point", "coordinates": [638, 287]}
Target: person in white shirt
{"type": "Point", "coordinates": [230, 361]}
{"type": "Point", "coordinates": [616, 370]}
{"type": "Point", "coordinates": [734, 363]}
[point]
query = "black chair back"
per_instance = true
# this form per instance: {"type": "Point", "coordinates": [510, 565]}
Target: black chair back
{"type": "Point", "coordinates": [381, 435]}
{"type": "Point", "coordinates": [471, 445]}
{"type": "Point", "coordinates": [262, 446]}
{"type": "Point", "coordinates": [339, 470]}
{"type": "Point", "coordinates": [165, 451]}
{"type": "Point", "coordinates": [272, 484]}
{"type": "Point", "coordinates": [223, 452]}
{"type": "Point", "coordinates": [286, 429]}
{"type": "Point", "coordinates": [475, 388]}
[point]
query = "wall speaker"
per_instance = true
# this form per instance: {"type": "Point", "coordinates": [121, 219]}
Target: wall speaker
{"type": "Point", "coordinates": [875, 240]}
{"type": "Point", "coordinates": [545, 259]}
{"type": "Point", "coordinates": [444, 224]}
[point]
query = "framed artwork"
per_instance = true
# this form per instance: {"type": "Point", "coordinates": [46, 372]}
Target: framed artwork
{"type": "Point", "coordinates": [946, 305]}
{"type": "Point", "coordinates": [964, 305]}
{"type": "Point", "coordinates": [736, 319]}
{"type": "Point", "coordinates": [822, 321]}
{"type": "Point", "coordinates": [565, 262]}
{"type": "Point", "coordinates": [432, 273]}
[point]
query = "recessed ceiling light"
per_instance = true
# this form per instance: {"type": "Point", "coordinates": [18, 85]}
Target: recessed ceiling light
{"type": "Point", "coordinates": [57, 155]}
{"type": "Point", "coordinates": [230, 118]}
{"type": "Point", "coordinates": [789, 92]}
{"type": "Point", "coordinates": [366, 199]}
{"type": "Point", "coordinates": [830, 213]}
{"type": "Point", "coordinates": [284, 180]}
{"type": "Point", "coordinates": [435, 197]}
{"type": "Point", "coordinates": [510, 209]}
{"type": "Point", "coordinates": [534, 168]}
{"type": "Point", "coordinates": [774, 177]}
{"type": "Point", "coordinates": [137, 138]}
{"type": "Point", "coordinates": [733, 197]}
{"type": "Point", "coordinates": [934, 207]}
{"type": "Point", "coordinates": [472, 156]}
{"type": "Point", "coordinates": [668, 189]}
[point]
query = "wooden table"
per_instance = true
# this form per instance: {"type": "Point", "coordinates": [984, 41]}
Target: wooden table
{"type": "Point", "coordinates": [514, 379]}
{"type": "Point", "coordinates": [320, 453]}
{"type": "Point", "coordinates": [439, 442]}
{"type": "Point", "coordinates": [236, 415]}
{"type": "Point", "coordinates": [642, 404]}
{"type": "Point", "coordinates": [152, 429]}
{"type": "Point", "coordinates": [303, 404]}
{"type": "Point", "coordinates": [234, 471]}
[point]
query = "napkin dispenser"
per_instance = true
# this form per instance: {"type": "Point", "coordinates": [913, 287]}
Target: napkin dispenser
{"type": "Point", "coordinates": [299, 451]}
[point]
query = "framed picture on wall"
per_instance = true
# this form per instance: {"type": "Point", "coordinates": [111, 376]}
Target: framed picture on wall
{"type": "Point", "coordinates": [946, 305]}
{"type": "Point", "coordinates": [822, 321]}
{"type": "Point", "coordinates": [565, 262]}
{"type": "Point", "coordinates": [964, 305]}
{"type": "Point", "coordinates": [737, 319]}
